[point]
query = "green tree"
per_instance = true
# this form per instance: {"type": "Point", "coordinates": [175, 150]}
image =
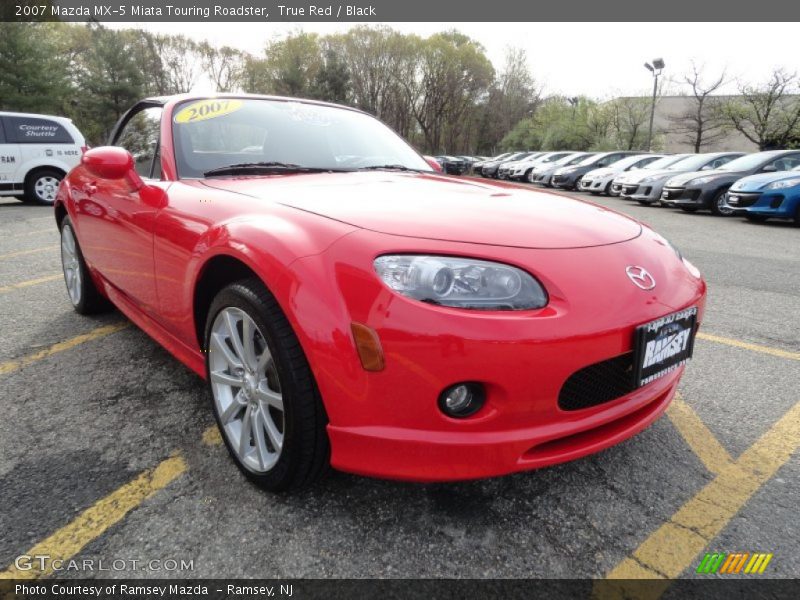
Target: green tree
{"type": "Point", "coordinates": [110, 81]}
{"type": "Point", "coordinates": [768, 114]}
{"type": "Point", "coordinates": [292, 64]}
{"type": "Point", "coordinates": [332, 81]}
{"type": "Point", "coordinates": [33, 75]}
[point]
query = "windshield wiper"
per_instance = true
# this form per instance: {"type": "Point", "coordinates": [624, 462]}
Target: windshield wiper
{"type": "Point", "coordinates": [263, 167]}
{"type": "Point", "coordinates": [390, 167]}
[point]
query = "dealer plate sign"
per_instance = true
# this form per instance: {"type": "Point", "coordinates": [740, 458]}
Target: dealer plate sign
{"type": "Point", "coordinates": [664, 345]}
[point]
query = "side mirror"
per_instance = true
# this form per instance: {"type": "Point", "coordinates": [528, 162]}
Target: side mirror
{"type": "Point", "coordinates": [108, 162]}
{"type": "Point", "coordinates": [433, 163]}
{"type": "Point", "coordinates": [769, 169]}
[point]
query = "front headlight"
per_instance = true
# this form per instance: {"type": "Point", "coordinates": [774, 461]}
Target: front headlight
{"type": "Point", "coordinates": [702, 180]}
{"type": "Point", "coordinates": [781, 185]}
{"type": "Point", "coordinates": [651, 179]}
{"type": "Point", "coordinates": [461, 282]}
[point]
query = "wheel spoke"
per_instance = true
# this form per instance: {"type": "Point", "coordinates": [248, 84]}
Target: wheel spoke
{"type": "Point", "coordinates": [247, 427]}
{"type": "Point", "coordinates": [248, 346]}
{"type": "Point", "coordinates": [275, 436]}
{"type": "Point", "coordinates": [233, 331]}
{"type": "Point", "coordinates": [232, 360]}
{"type": "Point", "coordinates": [270, 398]}
{"type": "Point", "coordinates": [259, 426]}
{"type": "Point", "coordinates": [226, 379]}
{"type": "Point", "coordinates": [263, 360]}
{"type": "Point", "coordinates": [233, 409]}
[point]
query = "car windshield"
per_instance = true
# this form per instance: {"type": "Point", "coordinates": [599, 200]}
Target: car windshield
{"type": "Point", "coordinates": [663, 163]}
{"type": "Point", "coordinates": [748, 162]}
{"type": "Point", "coordinates": [591, 159]}
{"type": "Point", "coordinates": [238, 133]}
{"type": "Point", "coordinates": [575, 159]}
{"type": "Point", "coordinates": [691, 163]}
{"type": "Point", "coordinates": [629, 161]}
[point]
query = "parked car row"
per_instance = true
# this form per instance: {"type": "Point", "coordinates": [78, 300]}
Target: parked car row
{"type": "Point", "coordinates": [759, 186]}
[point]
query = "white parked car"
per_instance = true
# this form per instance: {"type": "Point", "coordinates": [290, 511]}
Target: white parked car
{"type": "Point", "coordinates": [36, 151]}
{"type": "Point", "coordinates": [521, 169]}
{"type": "Point", "coordinates": [599, 180]}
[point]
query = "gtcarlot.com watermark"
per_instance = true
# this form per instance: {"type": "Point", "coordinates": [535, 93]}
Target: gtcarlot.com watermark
{"type": "Point", "coordinates": [44, 562]}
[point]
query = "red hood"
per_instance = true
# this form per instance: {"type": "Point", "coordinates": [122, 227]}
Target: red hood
{"type": "Point", "coordinates": [443, 208]}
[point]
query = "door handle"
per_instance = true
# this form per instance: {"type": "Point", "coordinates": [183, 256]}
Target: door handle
{"type": "Point", "coordinates": [89, 189]}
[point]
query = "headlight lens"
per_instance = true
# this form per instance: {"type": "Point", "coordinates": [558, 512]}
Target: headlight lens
{"type": "Point", "coordinates": [461, 282]}
{"type": "Point", "coordinates": [651, 179]}
{"type": "Point", "coordinates": [702, 180]}
{"type": "Point", "coordinates": [786, 183]}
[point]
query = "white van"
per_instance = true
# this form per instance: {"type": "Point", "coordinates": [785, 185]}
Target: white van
{"type": "Point", "coordinates": [36, 151]}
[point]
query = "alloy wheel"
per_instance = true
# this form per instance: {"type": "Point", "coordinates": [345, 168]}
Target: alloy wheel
{"type": "Point", "coordinates": [246, 389]}
{"type": "Point", "coordinates": [70, 264]}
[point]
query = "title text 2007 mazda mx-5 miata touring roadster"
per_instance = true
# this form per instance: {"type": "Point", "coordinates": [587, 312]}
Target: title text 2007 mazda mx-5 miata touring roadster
{"type": "Point", "coordinates": [350, 306]}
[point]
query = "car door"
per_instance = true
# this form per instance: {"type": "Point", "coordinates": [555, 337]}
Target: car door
{"type": "Point", "coordinates": [117, 223]}
{"type": "Point", "coordinates": [9, 163]}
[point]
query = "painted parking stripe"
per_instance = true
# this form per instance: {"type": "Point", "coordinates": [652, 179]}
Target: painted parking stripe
{"type": "Point", "coordinates": [18, 363]}
{"type": "Point", "coordinates": [94, 521]}
{"type": "Point", "coordinates": [748, 346]}
{"type": "Point", "coordinates": [30, 282]}
{"type": "Point", "coordinates": [700, 439]}
{"type": "Point", "coordinates": [6, 235]}
{"type": "Point", "coordinates": [26, 252]}
{"type": "Point", "coordinates": [674, 546]}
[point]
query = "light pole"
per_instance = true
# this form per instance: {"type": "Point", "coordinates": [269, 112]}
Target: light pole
{"type": "Point", "coordinates": [655, 69]}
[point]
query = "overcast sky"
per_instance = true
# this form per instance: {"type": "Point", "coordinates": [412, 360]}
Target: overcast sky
{"type": "Point", "coordinates": [596, 59]}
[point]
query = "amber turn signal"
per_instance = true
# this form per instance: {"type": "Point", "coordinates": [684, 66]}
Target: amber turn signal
{"type": "Point", "coordinates": [369, 347]}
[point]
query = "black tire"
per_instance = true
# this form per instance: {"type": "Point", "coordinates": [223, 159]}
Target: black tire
{"type": "Point", "coordinates": [718, 206]}
{"type": "Point", "coordinates": [305, 453]}
{"type": "Point", "coordinates": [797, 216]}
{"type": "Point", "coordinates": [607, 191]}
{"type": "Point", "coordinates": [40, 186]}
{"type": "Point", "coordinates": [645, 202]}
{"type": "Point", "coordinates": [88, 300]}
{"type": "Point", "coordinates": [755, 218]}
{"type": "Point", "coordinates": [689, 209]}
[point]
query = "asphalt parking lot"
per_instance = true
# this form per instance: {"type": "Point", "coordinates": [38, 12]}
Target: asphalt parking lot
{"type": "Point", "coordinates": [106, 450]}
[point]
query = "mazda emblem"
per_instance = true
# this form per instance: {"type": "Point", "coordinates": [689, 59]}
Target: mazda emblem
{"type": "Point", "coordinates": [640, 277]}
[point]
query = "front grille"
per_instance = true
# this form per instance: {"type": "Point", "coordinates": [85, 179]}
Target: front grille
{"type": "Point", "coordinates": [629, 189]}
{"type": "Point", "coordinates": [671, 193]}
{"type": "Point", "coordinates": [557, 179]}
{"type": "Point", "coordinates": [739, 200]}
{"type": "Point", "coordinates": [598, 383]}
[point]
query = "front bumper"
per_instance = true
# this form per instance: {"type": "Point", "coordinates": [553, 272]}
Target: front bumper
{"type": "Point", "coordinates": [596, 185]}
{"type": "Point", "coordinates": [646, 192]}
{"type": "Point", "coordinates": [768, 204]}
{"type": "Point", "coordinates": [388, 424]}
{"type": "Point", "coordinates": [542, 179]}
{"type": "Point", "coordinates": [565, 182]}
{"type": "Point", "coordinates": [682, 196]}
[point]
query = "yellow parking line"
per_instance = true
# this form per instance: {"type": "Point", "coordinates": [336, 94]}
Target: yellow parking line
{"type": "Point", "coordinates": [23, 284]}
{"type": "Point", "coordinates": [94, 521]}
{"type": "Point", "coordinates": [748, 346]}
{"type": "Point", "coordinates": [24, 252]}
{"type": "Point", "coordinates": [674, 546]}
{"type": "Point", "coordinates": [212, 436]}
{"type": "Point", "coordinates": [16, 364]}
{"type": "Point", "coordinates": [699, 437]}
{"type": "Point", "coordinates": [34, 232]}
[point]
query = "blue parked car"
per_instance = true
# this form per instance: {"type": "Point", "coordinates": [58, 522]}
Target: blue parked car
{"type": "Point", "coordinates": [767, 196]}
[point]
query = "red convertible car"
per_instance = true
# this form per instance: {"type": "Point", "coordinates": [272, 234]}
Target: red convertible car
{"type": "Point", "coordinates": [350, 306]}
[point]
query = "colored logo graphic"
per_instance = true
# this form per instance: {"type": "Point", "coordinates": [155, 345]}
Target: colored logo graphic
{"type": "Point", "coordinates": [734, 563]}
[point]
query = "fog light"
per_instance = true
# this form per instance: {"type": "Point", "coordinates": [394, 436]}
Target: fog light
{"type": "Point", "coordinates": [462, 399]}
